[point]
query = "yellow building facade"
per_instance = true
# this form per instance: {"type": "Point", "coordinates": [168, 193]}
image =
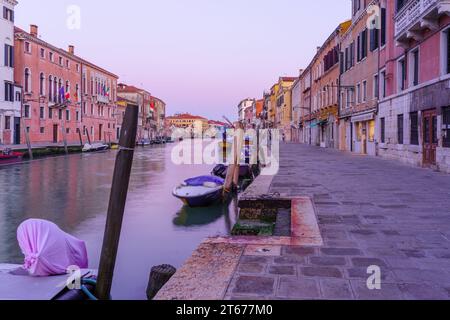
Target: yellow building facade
{"type": "Point", "coordinates": [284, 105]}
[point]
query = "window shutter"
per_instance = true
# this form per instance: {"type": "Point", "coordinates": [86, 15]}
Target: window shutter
{"type": "Point", "coordinates": [448, 51]}
{"type": "Point", "coordinates": [6, 64]}
{"type": "Point", "coordinates": [383, 26]}
{"type": "Point", "coordinates": [12, 15]}
{"type": "Point", "coordinates": [12, 56]}
{"type": "Point", "coordinates": [5, 13]}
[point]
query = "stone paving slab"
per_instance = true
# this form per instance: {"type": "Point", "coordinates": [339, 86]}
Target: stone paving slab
{"type": "Point", "coordinates": [370, 211]}
{"type": "Point", "coordinates": [205, 276]}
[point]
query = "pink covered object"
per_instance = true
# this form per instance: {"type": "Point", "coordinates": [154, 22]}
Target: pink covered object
{"type": "Point", "coordinates": [48, 250]}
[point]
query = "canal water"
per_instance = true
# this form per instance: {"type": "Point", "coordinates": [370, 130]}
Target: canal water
{"type": "Point", "coordinates": [73, 192]}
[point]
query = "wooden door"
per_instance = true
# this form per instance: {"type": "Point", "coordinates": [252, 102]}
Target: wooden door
{"type": "Point", "coordinates": [55, 133]}
{"type": "Point", "coordinates": [430, 139]}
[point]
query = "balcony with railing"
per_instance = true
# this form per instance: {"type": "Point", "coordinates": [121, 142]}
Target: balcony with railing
{"type": "Point", "coordinates": [415, 16]}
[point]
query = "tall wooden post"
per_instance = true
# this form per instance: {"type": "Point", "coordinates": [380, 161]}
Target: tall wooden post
{"type": "Point", "coordinates": [81, 138]}
{"type": "Point", "coordinates": [27, 138]}
{"type": "Point", "coordinates": [64, 133]}
{"type": "Point", "coordinates": [88, 136]}
{"type": "Point", "coordinates": [224, 147]}
{"type": "Point", "coordinates": [118, 196]}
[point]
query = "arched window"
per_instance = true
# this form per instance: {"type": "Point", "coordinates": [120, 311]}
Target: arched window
{"type": "Point", "coordinates": [60, 85]}
{"type": "Point", "coordinates": [27, 84]}
{"type": "Point", "coordinates": [50, 88]}
{"type": "Point", "coordinates": [42, 84]}
{"type": "Point", "coordinates": [55, 90]}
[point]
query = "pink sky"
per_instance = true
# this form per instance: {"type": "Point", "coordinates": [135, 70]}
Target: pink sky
{"type": "Point", "coordinates": [199, 56]}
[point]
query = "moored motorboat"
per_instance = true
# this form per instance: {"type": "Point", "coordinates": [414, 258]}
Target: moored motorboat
{"type": "Point", "coordinates": [8, 154]}
{"type": "Point", "coordinates": [200, 191]}
{"type": "Point", "coordinates": [95, 147]}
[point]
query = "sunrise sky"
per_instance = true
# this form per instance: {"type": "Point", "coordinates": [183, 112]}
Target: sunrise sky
{"type": "Point", "coordinates": [199, 56]}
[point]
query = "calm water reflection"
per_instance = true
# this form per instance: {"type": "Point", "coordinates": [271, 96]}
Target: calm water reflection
{"type": "Point", "coordinates": [73, 192]}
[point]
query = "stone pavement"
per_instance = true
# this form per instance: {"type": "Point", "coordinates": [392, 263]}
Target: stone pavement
{"type": "Point", "coordinates": [370, 212]}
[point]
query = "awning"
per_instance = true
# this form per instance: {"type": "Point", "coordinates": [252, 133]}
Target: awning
{"type": "Point", "coordinates": [364, 117]}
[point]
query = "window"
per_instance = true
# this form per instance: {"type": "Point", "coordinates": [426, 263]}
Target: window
{"type": "Point", "coordinates": [42, 53]}
{"type": "Point", "coordinates": [42, 84]}
{"type": "Point", "coordinates": [415, 67]}
{"type": "Point", "coordinates": [358, 93]}
{"type": "Point", "coordinates": [50, 113]}
{"type": "Point", "coordinates": [77, 67]}
{"type": "Point", "coordinates": [18, 96]}
{"type": "Point", "coordinates": [42, 130]}
{"type": "Point", "coordinates": [50, 56]}
{"type": "Point", "coordinates": [27, 47]}
{"type": "Point", "coordinates": [363, 45]}
{"type": "Point", "coordinates": [376, 86]}
{"type": "Point", "coordinates": [401, 77]}
{"type": "Point", "coordinates": [27, 86]}
{"type": "Point", "coordinates": [8, 14]}
{"type": "Point", "coordinates": [41, 113]}
{"type": "Point", "coordinates": [68, 130]}
{"type": "Point", "coordinates": [358, 48]}
{"type": "Point", "coordinates": [383, 26]}
{"type": "Point", "coordinates": [77, 115]}
{"type": "Point", "coordinates": [446, 126]}
{"type": "Point", "coordinates": [352, 54]}
{"type": "Point", "coordinates": [50, 86]}
{"type": "Point", "coordinates": [414, 119]}
{"type": "Point", "coordinates": [7, 123]}
{"type": "Point", "coordinates": [26, 109]}
{"type": "Point", "coordinates": [383, 84]}
{"type": "Point", "coordinates": [9, 92]}
{"type": "Point", "coordinates": [67, 64]}
{"type": "Point", "coordinates": [9, 56]}
{"type": "Point", "coordinates": [383, 130]}
{"type": "Point", "coordinates": [448, 51]}
{"type": "Point", "coordinates": [374, 38]}
{"type": "Point", "coordinates": [364, 91]}
{"type": "Point", "coordinates": [60, 114]}
{"type": "Point", "coordinates": [60, 61]}
{"type": "Point", "coordinates": [400, 129]}
{"type": "Point", "coordinates": [67, 115]}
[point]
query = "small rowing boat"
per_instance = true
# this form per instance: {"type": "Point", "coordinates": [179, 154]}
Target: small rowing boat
{"type": "Point", "coordinates": [200, 191]}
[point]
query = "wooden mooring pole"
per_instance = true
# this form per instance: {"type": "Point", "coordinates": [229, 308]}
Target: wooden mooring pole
{"type": "Point", "coordinates": [81, 138]}
{"type": "Point", "coordinates": [27, 138]}
{"type": "Point", "coordinates": [64, 132]}
{"type": "Point", "coordinates": [88, 136]}
{"type": "Point", "coordinates": [118, 196]}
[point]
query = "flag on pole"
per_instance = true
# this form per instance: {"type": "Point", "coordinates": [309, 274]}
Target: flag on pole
{"type": "Point", "coordinates": [61, 94]}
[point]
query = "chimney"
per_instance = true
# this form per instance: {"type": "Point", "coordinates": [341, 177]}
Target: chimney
{"type": "Point", "coordinates": [71, 49]}
{"type": "Point", "coordinates": [34, 30]}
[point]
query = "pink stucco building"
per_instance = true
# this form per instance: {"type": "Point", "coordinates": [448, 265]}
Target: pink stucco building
{"type": "Point", "coordinates": [62, 93]}
{"type": "Point", "coordinates": [414, 109]}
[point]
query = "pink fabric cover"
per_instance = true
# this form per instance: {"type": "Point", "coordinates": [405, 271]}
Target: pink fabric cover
{"type": "Point", "coordinates": [48, 250]}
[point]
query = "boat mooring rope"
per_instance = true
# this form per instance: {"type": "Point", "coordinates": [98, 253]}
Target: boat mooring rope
{"type": "Point", "coordinates": [86, 291]}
